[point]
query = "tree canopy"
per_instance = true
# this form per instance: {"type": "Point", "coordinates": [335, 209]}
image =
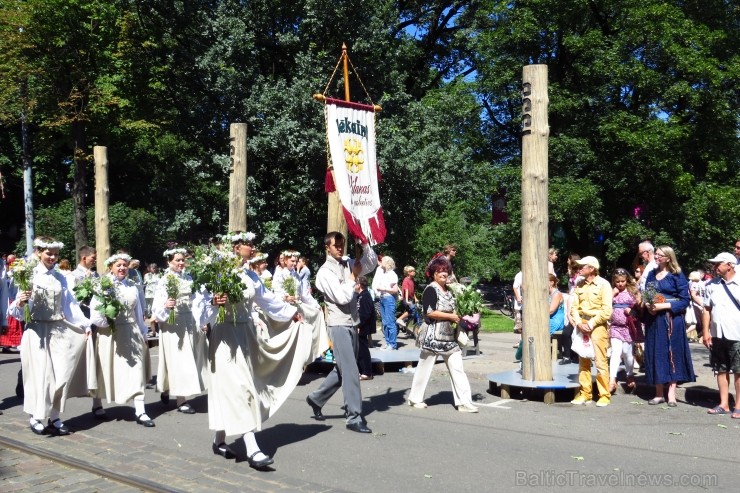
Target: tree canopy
{"type": "Point", "coordinates": [644, 118]}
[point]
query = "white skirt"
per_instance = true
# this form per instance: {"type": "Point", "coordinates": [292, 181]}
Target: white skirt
{"type": "Point", "coordinates": [183, 351]}
{"type": "Point", "coordinates": [123, 363]}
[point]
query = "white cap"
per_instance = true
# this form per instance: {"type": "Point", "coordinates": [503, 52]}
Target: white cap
{"type": "Point", "coordinates": [724, 257]}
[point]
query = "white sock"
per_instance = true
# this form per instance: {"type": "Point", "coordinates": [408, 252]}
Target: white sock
{"type": "Point", "coordinates": [139, 406]}
{"type": "Point", "coordinates": [250, 441]}
{"type": "Point", "coordinates": [54, 415]}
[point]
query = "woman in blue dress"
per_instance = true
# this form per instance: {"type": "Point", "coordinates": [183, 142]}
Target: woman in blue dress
{"type": "Point", "coordinates": [667, 354]}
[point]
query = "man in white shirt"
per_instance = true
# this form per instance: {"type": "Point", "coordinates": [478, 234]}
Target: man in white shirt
{"type": "Point", "coordinates": [647, 257]}
{"type": "Point", "coordinates": [721, 322]}
{"type": "Point", "coordinates": [336, 279]}
{"type": "Point", "coordinates": [517, 287]}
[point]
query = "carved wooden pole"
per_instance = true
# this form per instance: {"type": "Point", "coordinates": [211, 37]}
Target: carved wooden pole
{"type": "Point", "coordinates": [537, 363]}
{"type": "Point", "coordinates": [238, 177]}
{"type": "Point", "coordinates": [102, 196]}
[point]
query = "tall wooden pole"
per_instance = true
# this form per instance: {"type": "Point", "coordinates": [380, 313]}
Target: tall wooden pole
{"type": "Point", "coordinates": [335, 220]}
{"type": "Point", "coordinates": [102, 196]}
{"type": "Point", "coordinates": [238, 177]}
{"type": "Point", "coordinates": [537, 364]}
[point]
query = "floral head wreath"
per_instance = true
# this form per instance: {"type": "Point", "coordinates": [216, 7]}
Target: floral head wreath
{"type": "Point", "coordinates": [244, 237]}
{"type": "Point", "coordinates": [174, 251]}
{"type": "Point", "coordinates": [290, 253]}
{"type": "Point", "coordinates": [258, 257]}
{"type": "Point", "coordinates": [116, 257]}
{"type": "Point", "coordinates": [47, 245]}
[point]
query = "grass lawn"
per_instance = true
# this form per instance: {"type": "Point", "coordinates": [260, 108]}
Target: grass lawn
{"type": "Point", "coordinates": [495, 322]}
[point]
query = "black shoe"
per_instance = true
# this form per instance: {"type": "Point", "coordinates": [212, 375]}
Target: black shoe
{"type": "Point", "coordinates": [317, 414]}
{"type": "Point", "coordinates": [38, 428]}
{"type": "Point", "coordinates": [186, 409]}
{"type": "Point", "coordinates": [259, 464]}
{"type": "Point", "coordinates": [99, 415]}
{"type": "Point", "coordinates": [359, 428]}
{"type": "Point", "coordinates": [165, 398]}
{"type": "Point", "coordinates": [148, 423]}
{"type": "Point", "coordinates": [223, 450]}
{"type": "Point", "coordinates": [564, 362]}
{"type": "Point", "coordinates": [60, 430]}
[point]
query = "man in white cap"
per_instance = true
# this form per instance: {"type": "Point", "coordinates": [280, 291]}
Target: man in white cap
{"type": "Point", "coordinates": [722, 329]}
{"type": "Point", "coordinates": [591, 310]}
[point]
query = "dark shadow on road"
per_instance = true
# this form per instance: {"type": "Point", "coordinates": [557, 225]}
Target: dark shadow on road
{"type": "Point", "coordinates": [271, 439]}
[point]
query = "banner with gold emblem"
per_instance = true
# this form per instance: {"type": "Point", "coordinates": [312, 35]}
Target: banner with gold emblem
{"type": "Point", "coordinates": [350, 131]}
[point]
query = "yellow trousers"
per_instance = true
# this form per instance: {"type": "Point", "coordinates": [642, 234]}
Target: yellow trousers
{"type": "Point", "coordinates": [600, 339]}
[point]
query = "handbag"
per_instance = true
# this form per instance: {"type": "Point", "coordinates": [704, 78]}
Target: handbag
{"type": "Point", "coordinates": [582, 345]}
{"type": "Point", "coordinates": [462, 337]}
{"type": "Point", "coordinates": [639, 354]}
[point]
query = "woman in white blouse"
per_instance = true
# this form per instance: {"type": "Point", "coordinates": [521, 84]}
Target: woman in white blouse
{"type": "Point", "coordinates": [122, 352]}
{"type": "Point", "coordinates": [182, 346]}
{"type": "Point", "coordinates": [53, 342]}
{"type": "Point", "coordinates": [250, 376]}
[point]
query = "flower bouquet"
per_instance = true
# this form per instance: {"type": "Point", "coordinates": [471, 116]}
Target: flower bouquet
{"type": "Point", "coordinates": [651, 296]}
{"type": "Point", "coordinates": [85, 290]}
{"type": "Point", "coordinates": [109, 306]}
{"type": "Point", "coordinates": [468, 300]}
{"type": "Point", "coordinates": [218, 271]}
{"type": "Point", "coordinates": [22, 274]}
{"type": "Point", "coordinates": [290, 286]}
{"type": "Point", "coordinates": [172, 286]}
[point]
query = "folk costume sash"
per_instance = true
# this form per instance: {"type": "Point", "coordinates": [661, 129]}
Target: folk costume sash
{"type": "Point", "coordinates": [350, 133]}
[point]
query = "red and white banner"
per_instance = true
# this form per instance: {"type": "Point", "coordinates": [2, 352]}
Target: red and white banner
{"type": "Point", "coordinates": [350, 130]}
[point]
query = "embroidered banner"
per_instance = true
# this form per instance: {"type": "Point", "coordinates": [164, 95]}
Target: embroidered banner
{"type": "Point", "coordinates": [350, 129]}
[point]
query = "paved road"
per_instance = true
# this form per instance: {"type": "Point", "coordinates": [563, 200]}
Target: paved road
{"type": "Point", "coordinates": [509, 446]}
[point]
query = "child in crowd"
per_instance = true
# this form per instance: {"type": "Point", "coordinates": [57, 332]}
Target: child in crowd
{"type": "Point", "coordinates": [367, 327]}
{"type": "Point", "coordinates": [624, 300]}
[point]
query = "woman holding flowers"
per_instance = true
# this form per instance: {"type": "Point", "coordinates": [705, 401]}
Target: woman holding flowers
{"type": "Point", "coordinates": [437, 338]}
{"type": "Point", "coordinates": [249, 376]}
{"type": "Point", "coordinates": [182, 347]}
{"type": "Point", "coordinates": [667, 354]}
{"type": "Point", "coordinates": [54, 339]}
{"type": "Point", "coordinates": [123, 355]}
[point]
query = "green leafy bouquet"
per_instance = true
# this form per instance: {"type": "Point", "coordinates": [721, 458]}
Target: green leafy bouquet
{"type": "Point", "coordinates": [218, 271]}
{"type": "Point", "coordinates": [468, 300]}
{"type": "Point", "coordinates": [651, 296]}
{"type": "Point", "coordinates": [85, 290]}
{"type": "Point", "coordinates": [290, 286]}
{"type": "Point", "coordinates": [172, 286]}
{"type": "Point", "coordinates": [22, 274]}
{"type": "Point", "coordinates": [110, 305]}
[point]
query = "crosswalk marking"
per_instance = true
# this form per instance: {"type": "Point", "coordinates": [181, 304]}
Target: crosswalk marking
{"type": "Point", "coordinates": [498, 404]}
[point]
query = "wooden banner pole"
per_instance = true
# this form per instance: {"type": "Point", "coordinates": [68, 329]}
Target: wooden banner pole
{"type": "Point", "coordinates": [238, 177]}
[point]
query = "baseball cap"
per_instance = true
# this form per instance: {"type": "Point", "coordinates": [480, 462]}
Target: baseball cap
{"type": "Point", "coordinates": [724, 257]}
{"type": "Point", "coordinates": [592, 261]}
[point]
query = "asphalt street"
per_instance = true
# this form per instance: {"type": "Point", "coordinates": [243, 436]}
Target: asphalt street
{"type": "Point", "coordinates": [510, 445]}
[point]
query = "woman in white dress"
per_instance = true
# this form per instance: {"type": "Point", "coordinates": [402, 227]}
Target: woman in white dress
{"type": "Point", "coordinates": [249, 376]}
{"type": "Point", "coordinates": [123, 354]}
{"type": "Point", "coordinates": [182, 346]}
{"type": "Point", "coordinates": [53, 342]}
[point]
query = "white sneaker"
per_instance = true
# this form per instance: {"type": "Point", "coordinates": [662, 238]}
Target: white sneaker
{"type": "Point", "coordinates": [401, 322]}
{"type": "Point", "coordinates": [467, 408]}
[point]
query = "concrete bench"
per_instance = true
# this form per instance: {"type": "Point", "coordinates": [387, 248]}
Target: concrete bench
{"type": "Point", "coordinates": [405, 355]}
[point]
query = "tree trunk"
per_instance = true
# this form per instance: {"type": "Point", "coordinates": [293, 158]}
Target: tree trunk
{"type": "Point", "coordinates": [27, 172]}
{"type": "Point", "coordinates": [79, 185]}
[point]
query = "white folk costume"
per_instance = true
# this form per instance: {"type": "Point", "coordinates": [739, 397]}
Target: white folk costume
{"type": "Point", "coordinates": [53, 344]}
{"type": "Point", "coordinates": [183, 347]}
{"type": "Point", "coordinates": [123, 355]}
{"type": "Point", "coordinates": [250, 378]}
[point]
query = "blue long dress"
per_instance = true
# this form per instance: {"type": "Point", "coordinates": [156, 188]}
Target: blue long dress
{"type": "Point", "coordinates": [667, 354]}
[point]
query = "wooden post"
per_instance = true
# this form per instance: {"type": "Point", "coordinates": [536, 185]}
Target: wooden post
{"type": "Point", "coordinates": [535, 132]}
{"type": "Point", "coordinates": [102, 196]}
{"type": "Point", "coordinates": [238, 177]}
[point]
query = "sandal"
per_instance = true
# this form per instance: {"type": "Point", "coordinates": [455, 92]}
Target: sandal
{"type": "Point", "coordinates": [186, 408]}
{"type": "Point", "coordinates": [38, 427]}
{"type": "Point", "coordinates": [99, 413]}
{"type": "Point", "coordinates": [735, 413]}
{"type": "Point", "coordinates": [718, 410]}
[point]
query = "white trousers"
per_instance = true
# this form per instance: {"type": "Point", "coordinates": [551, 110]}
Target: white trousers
{"type": "Point", "coordinates": [621, 351]}
{"type": "Point", "coordinates": [459, 380]}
